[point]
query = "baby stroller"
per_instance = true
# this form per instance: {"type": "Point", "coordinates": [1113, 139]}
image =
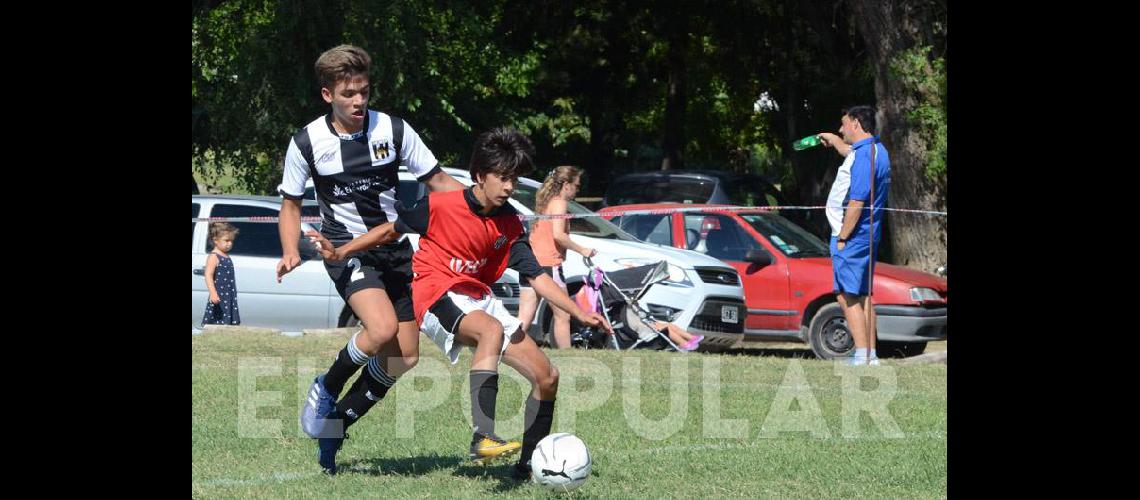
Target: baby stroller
{"type": "Point", "coordinates": [615, 295]}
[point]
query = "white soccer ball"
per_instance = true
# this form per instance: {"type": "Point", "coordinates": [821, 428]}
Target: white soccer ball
{"type": "Point", "coordinates": [560, 462]}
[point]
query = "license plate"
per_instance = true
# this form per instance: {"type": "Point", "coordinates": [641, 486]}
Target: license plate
{"type": "Point", "coordinates": [728, 314]}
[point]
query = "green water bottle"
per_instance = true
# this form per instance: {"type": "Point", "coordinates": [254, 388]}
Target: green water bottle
{"type": "Point", "coordinates": [807, 142]}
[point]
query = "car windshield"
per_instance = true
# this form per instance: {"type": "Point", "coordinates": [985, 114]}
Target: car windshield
{"type": "Point", "coordinates": [594, 227]}
{"type": "Point", "coordinates": [791, 239]}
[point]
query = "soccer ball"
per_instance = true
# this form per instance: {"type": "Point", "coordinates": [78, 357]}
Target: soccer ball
{"type": "Point", "coordinates": [560, 462]}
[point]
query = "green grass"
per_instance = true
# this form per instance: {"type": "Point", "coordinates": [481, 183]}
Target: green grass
{"type": "Point", "coordinates": [232, 458]}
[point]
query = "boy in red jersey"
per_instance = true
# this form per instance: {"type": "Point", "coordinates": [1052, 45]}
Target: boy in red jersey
{"type": "Point", "coordinates": [468, 238]}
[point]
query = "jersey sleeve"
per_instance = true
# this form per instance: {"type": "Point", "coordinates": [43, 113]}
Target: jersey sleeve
{"type": "Point", "coordinates": [414, 219]}
{"type": "Point", "coordinates": [415, 154]}
{"type": "Point", "coordinates": [296, 172]}
{"type": "Point", "coordinates": [522, 259]}
{"type": "Point", "coordinates": [860, 189]}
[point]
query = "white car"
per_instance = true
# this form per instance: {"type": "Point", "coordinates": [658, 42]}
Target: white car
{"type": "Point", "coordinates": [703, 294]}
{"type": "Point", "coordinates": [305, 299]}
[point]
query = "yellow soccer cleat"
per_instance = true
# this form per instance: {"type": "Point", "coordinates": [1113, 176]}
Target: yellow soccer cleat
{"type": "Point", "coordinates": [487, 448]}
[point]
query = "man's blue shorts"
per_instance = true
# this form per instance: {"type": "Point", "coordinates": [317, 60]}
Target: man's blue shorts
{"type": "Point", "coordinates": [849, 266]}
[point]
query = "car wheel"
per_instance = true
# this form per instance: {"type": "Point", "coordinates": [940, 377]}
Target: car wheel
{"type": "Point", "coordinates": [886, 349]}
{"type": "Point", "coordinates": [348, 319]}
{"type": "Point", "coordinates": [828, 335]}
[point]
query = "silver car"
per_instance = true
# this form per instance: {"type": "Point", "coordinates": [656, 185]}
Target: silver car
{"type": "Point", "coordinates": [305, 298]}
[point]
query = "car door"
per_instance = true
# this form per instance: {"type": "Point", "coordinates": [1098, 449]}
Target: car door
{"type": "Point", "coordinates": [766, 288]}
{"type": "Point", "coordinates": [300, 301]}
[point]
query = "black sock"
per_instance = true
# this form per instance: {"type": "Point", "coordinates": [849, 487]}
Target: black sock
{"type": "Point", "coordinates": [539, 417]}
{"type": "Point", "coordinates": [370, 387]}
{"type": "Point", "coordinates": [484, 390]}
{"type": "Point", "coordinates": [347, 362]}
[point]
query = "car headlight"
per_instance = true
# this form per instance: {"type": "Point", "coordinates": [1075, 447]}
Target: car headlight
{"type": "Point", "coordinates": [677, 276]}
{"type": "Point", "coordinates": [923, 294]}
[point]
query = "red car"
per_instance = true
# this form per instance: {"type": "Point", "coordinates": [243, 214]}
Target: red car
{"type": "Point", "coordinates": [788, 285]}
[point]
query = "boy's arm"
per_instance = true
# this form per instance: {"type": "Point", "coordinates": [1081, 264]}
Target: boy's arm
{"type": "Point", "coordinates": [295, 172]}
{"type": "Point", "coordinates": [441, 181]}
{"type": "Point", "coordinates": [289, 230]}
{"type": "Point", "coordinates": [522, 260]}
{"type": "Point", "coordinates": [375, 237]}
{"type": "Point", "coordinates": [412, 220]}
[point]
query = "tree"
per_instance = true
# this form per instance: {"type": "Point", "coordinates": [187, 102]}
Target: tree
{"type": "Point", "coordinates": [677, 34]}
{"type": "Point", "coordinates": [610, 85]}
{"type": "Point", "coordinates": [438, 65]}
{"type": "Point", "coordinates": [904, 39]}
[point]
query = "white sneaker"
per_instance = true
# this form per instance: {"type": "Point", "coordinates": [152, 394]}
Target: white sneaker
{"type": "Point", "coordinates": [856, 361]}
{"type": "Point", "coordinates": [874, 362]}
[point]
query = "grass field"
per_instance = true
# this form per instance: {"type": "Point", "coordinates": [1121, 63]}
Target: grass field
{"type": "Point", "coordinates": [655, 423]}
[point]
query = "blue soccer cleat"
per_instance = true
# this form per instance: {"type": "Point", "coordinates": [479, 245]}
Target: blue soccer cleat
{"type": "Point", "coordinates": [326, 454]}
{"type": "Point", "coordinates": [317, 419]}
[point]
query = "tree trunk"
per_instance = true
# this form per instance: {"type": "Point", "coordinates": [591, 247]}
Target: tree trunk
{"type": "Point", "coordinates": [888, 29]}
{"type": "Point", "coordinates": [673, 145]}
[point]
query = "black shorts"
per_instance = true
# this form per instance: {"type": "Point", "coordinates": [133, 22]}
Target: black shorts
{"type": "Point", "coordinates": [388, 268]}
{"type": "Point", "coordinates": [549, 271]}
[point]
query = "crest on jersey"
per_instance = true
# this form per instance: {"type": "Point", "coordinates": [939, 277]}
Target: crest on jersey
{"type": "Point", "coordinates": [380, 149]}
{"type": "Point", "coordinates": [499, 242]}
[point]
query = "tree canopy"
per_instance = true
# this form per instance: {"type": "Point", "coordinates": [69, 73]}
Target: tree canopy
{"type": "Point", "coordinates": [612, 86]}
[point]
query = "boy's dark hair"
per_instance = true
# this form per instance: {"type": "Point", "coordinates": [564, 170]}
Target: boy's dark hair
{"type": "Point", "coordinates": [865, 115]}
{"type": "Point", "coordinates": [340, 63]}
{"type": "Point", "coordinates": [503, 151]}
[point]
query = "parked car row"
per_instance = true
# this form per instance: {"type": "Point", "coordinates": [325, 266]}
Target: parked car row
{"type": "Point", "coordinates": [739, 275]}
{"type": "Point", "coordinates": [702, 295]}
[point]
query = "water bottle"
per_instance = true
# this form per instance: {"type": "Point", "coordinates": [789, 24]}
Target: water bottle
{"type": "Point", "coordinates": [807, 142]}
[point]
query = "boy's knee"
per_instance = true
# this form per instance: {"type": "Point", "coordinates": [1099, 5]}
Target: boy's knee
{"type": "Point", "coordinates": [410, 361]}
{"type": "Point", "coordinates": [492, 332]}
{"type": "Point", "coordinates": [548, 382]}
{"type": "Point", "coordinates": [375, 335]}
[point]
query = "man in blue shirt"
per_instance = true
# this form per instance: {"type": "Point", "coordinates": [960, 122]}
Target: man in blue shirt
{"type": "Point", "coordinates": [854, 245]}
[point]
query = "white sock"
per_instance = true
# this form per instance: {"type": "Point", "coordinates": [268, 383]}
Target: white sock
{"type": "Point", "coordinates": [873, 355]}
{"type": "Point", "coordinates": [861, 352]}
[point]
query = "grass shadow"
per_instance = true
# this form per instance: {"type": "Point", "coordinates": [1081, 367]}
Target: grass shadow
{"type": "Point", "coordinates": [502, 472]}
{"type": "Point", "coordinates": [405, 466]}
{"type": "Point", "coordinates": [775, 353]}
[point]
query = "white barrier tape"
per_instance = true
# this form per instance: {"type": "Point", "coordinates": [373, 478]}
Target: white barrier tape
{"type": "Point", "coordinates": [647, 211]}
{"type": "Point", "coordinates": [664, 211]}
{"type": "Point", "coordinates": [309, 219]}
